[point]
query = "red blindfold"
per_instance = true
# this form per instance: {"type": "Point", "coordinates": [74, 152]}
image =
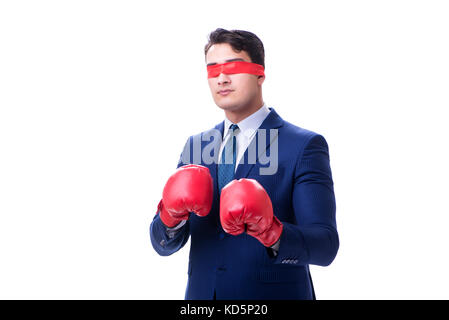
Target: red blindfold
{"type": "Point", "coordinates": [235, 67]}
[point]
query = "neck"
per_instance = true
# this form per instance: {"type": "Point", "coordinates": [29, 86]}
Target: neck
{"type": "Point", "coordinates": [235, 116]}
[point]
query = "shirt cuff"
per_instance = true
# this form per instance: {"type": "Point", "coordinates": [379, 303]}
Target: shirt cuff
{"type": "Point", "coordinates": [275, 247]}
{"type": "Point", "coordinates": [171, 232]}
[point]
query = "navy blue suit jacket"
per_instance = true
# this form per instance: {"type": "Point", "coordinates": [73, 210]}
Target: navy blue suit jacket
{"type": "Point", "coordinates": [240, 267]}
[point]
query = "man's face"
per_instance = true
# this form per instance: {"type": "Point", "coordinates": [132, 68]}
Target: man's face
{"type": "Point", "coordinates": [243, 88]}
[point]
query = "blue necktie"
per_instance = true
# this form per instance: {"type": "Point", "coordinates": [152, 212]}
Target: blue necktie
{"type": "Point", "coordinates": [226, 167]}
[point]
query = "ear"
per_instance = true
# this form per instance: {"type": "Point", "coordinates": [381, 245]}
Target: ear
{"type": "Point", "coordinates": [260, 80]}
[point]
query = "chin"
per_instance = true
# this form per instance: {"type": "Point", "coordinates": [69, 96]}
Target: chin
{"type": "Point", "coordinates": [225, 106]}
{"type": "Point", "coordinates": [229, 106]}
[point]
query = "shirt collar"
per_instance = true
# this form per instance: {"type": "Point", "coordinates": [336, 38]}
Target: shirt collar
{"type": "Point", "coordinates": [250, 124]}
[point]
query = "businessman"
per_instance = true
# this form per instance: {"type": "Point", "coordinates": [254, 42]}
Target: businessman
{"type": "Point", "coordinates": [254, 193]}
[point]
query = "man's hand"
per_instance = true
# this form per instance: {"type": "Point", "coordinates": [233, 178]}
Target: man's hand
{"type": "Point", "coordinates": [189, 189]}
{"type": "Point", "coordinates": [246, 206]}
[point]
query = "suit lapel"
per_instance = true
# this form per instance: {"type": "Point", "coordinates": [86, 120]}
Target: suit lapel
{"type": "Point", "coordinates": [272, 121]}
{"type": "Point", "coordinates": [215, 146]}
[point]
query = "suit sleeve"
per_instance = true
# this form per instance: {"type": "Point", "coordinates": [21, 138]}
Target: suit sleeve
{"type": "Point", "coordinates": [167, 241]}
{"type": "Point", "coordinates": [313, 238]}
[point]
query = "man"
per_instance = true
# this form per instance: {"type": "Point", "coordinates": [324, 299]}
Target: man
{"type": "Point", "coordinates": [256, 221]}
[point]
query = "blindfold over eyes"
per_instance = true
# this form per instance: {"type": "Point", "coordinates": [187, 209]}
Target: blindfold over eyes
{"type": "Point", "coordinates": [235, 67]}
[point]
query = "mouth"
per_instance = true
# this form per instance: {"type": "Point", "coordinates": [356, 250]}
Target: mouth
{"type": "Point", "coordinates": [225, 92]}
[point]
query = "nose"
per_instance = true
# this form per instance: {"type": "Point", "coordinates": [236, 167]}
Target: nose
{"type": "Point", "coordinates": [223, 79]}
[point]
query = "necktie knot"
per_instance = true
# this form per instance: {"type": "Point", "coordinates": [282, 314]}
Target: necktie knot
{"type": "Point", "coordinates": [233, 127]}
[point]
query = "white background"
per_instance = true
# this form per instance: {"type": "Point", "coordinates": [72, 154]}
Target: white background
{"type": "Point", "coordinates": [98, 97]}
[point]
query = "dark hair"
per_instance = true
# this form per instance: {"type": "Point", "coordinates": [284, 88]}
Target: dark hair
{"type": "Point", "coordinates": [239, 40]}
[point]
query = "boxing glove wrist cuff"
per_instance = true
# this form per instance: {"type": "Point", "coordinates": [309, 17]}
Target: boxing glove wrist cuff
{"type": "Point", "coordinates": [166, 219]}
{"type": "Point", "coordinates": [272, 234]}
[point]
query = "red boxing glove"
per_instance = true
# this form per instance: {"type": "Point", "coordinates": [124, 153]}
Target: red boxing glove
{"type": "Point", "coordinates": [246, 206]}
{"type": "Point", "coordinates": [189, 189]}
